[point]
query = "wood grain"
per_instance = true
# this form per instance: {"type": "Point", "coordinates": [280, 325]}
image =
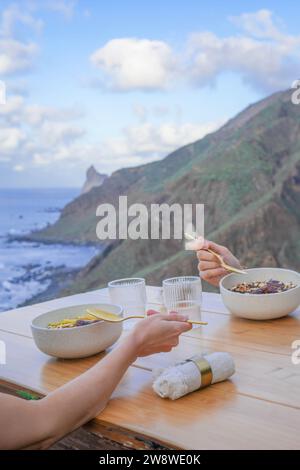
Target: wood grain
{"type": "Point", "coordinates": [206, 419]}
{"type": "Point", "coordinates": [258, 408]}
{"type": "Point", "coordinates": [18, 320]}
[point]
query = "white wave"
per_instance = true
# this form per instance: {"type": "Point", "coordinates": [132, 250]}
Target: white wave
{"type": "Point", "coordinates": [17, 294]}
{"type": "Point", "coordinates": [27, 268]}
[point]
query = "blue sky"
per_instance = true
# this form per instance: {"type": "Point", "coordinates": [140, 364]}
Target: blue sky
{"type": "Point", "coordinates": [123, 83]}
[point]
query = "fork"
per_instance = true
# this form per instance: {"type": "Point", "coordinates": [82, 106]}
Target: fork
{"type": "Point", "coordinates": [219, 257]}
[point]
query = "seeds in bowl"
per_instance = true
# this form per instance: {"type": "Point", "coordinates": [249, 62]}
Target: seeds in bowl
{"type": "Point", "coordinates": [263, 287]}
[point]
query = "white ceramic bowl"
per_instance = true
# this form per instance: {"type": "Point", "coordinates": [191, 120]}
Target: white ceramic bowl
{"type": "Point", "coordinates": [80, 341]}
{"type": "Point", "coordinates": [261, 306]}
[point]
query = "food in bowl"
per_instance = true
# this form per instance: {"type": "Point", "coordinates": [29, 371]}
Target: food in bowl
{"type": "Point", "coordinates": [87, 319]}
{"type": "Point", "coordinates": [72, 322]}
{"type": "Point", "coordinates": [261, 307]}
{"type": "Point", "coordinates": [272, 286]}
{"type": "Point", "coordinates": [71, 343]}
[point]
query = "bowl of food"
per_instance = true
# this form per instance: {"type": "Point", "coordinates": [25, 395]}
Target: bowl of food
{"type": "Point", "coordinates": [262, 293]}
{"type": "Point", "coordinates": [71, 332]}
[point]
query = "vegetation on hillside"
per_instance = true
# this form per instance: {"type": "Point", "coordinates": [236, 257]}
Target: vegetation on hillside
{"type": "Point", "coordinates": [248, 176]}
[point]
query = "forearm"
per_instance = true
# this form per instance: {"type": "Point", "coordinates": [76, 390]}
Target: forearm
{"type": "Point", "coordinates": [83, 398]}
{"type": "Point", "coordinates": [38, 424]}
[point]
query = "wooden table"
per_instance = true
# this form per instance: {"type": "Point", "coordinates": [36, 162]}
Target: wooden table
{"type": "Point", "coordinates": [259, 408]}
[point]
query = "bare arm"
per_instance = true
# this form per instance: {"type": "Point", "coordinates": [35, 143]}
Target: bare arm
{"type": "Point", "coordinates": [38, 424]}
{"type": "Point", "coordinates": [65, 409]}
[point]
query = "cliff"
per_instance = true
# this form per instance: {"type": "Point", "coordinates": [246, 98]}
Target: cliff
{"type": "Point", "coordinates": [248, 176]}
{"type": "Point", "coordinates": [93, 180]}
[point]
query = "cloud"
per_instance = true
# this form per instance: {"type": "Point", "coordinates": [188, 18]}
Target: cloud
{"type": "Point", "coordinates": [64, 7]}
{"type": "Point", "coordinates": [54, 141]}
{"type": "Point", "coordinates": [17, 87]}
{"type": "Point", "coordinates": [158, 111]}
{"type": "Point", "coordinates": [130, 63]}
{"type": "Point", "coordinates": [34, 135]}
{"type": "Point", "coordinates": [14, 105]}
{"type": "Point", "coordinates": [266, 66]}
{"type": "Point", "coordinates": [137, 145]}
{"type": "Point", "coordinates": [18, 168]}
{"type": "Point", "coordinates": [10, 140]}
{"type": "Point", "coordinates": [13, 15]}
{"type": "Point", "coordinates": [59, 133]}
{"type": "Point", "coordinates": [262, 54]}
{"type": "Point", "coordinates": [148, 141]}
{"type": "Point", "coordinates": [36, 114]}
{"type": "Point", "coordinates": [16, 56]}
{"type": "Point", "coordinates": [259, 24]}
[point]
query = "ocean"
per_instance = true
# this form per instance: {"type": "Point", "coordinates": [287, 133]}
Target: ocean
{"type": "Point", "coordinates": [28, 269]}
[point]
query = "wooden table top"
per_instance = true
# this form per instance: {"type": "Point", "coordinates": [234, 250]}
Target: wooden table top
{"type": "Point", "coordinates": [258, 408]}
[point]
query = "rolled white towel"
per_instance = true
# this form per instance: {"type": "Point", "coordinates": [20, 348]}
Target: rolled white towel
{"type": "Point", "coordinates": [185, 377]}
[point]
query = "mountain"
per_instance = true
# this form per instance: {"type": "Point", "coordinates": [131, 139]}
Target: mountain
{"type": "Point", "coordinates": [93, 180]}
{"type": "Point", "coordinates": [248, 176]}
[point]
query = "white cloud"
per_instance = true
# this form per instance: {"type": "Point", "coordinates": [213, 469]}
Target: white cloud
{"type": "Point", "coordinates": [32, 135]}
{"type": "Point", "coordinates": [159, 111]}
{"type": "Point", "coordinates": [138, 144]}
{"type": "Point", "coordinates": [13, 106]}
{"type": "Point", "coordinates": [17, 86]}
{"type": "Point", "coordinates": [39, 136]}
{"type": "Point", "coordinates": [130, 63]}
{"type": "Point", "coordinates": [148, 141]}
{"type": "Point", "coordinates": [16, 56]}
{"type": "Point", "coordinates": [265, 58]}
{"type": "Point", "coordinates": [13, 15]}
{"type": "Point", "coordinates": [18, 168]}
{"type": "Point", "coordinates": [259, 24]}
{"type": "Point", "coordinates": [54, 141]}
{"type": "Point", "coordinates": [262, 54]}
{"type": "Point", "coordinates": [64, 7]}
{"type": "Point", "coordinates": [37, 114]}
{"type": "Point", "coordinates": [59, 133]}
{"type": "Point", "coordinates": [10, 139]}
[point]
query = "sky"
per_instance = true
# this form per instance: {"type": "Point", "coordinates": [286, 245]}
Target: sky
{"type": "Point", "coordinates": [126, 82]}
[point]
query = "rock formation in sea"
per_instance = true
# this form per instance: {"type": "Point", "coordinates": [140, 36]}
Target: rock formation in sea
{"type": "Point", "coordinates": [93, 179]}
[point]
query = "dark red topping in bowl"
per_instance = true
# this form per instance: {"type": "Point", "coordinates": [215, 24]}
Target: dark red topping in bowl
{"type": "Point", "coordinates": [262, 287]}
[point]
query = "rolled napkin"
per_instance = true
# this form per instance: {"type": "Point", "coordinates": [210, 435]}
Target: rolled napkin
{"type": "Point", "coordinates": [192, 374]}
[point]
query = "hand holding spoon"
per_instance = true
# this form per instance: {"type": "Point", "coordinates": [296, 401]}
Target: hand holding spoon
{"type": "Point", "coordinates": [219, 257]}
{"type": "Point", "coordinates": [111, 317]}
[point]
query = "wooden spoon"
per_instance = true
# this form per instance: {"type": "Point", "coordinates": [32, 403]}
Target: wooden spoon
{"type": "Point", "coordinates": [220, 258]}
{"type": "Point", "coordinates": [111, 317]}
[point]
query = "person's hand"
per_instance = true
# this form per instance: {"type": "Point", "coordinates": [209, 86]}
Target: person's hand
{"type": "Point", "coordinates": [158, 333]}
{"type": "Point", "coordinates": [209, 266]}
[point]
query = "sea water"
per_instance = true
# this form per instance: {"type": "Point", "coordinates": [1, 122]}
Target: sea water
{"type": "Point", "coordinates": [25, 267]}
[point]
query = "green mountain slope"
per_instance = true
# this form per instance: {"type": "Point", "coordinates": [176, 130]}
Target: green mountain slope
{"type": "Point", "coordinates": [248, 176]}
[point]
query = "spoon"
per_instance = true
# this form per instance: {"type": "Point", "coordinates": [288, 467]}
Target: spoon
{"type": "Point", "coordinates": [111, 317]}
{"type": "Point", "coordinates": [222, 262]}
